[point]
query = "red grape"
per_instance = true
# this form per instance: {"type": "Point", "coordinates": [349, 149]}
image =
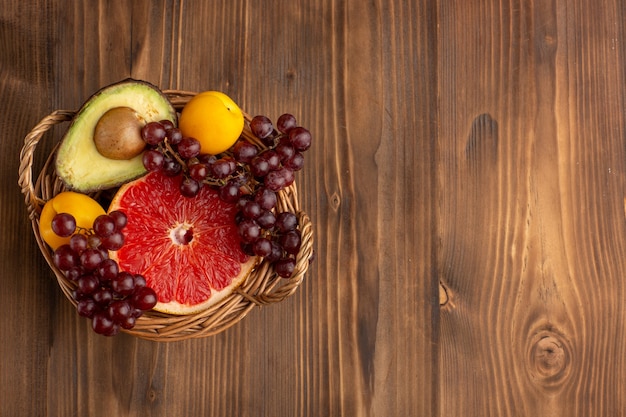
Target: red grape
{"type": "Point", "coordinates": [153, 160]}
{"type": "Point", "coordinates": [153, 133]}
{"type": "Point", "coordinates": [188, 148]}
{"type": "Point", "coordinates": [144, 298]}
{"type": "Point", "coordinates": [261, 126]}
{"type": "Point", "coordinates": [300, 138]}
{"type": "Point", "coordinates": [63, 224]}
{"type": "Point", "coordinates": [285, 267]}
{"type": "Point", "coordinates": [104, 225]}
{"type": "Point", "coordinates": [65, 258]}
{"type": "Point", "coordinates": [286, 122]}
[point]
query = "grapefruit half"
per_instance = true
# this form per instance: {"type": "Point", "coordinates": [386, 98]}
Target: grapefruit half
{"type": "Point", "coordinates": [188, 249]}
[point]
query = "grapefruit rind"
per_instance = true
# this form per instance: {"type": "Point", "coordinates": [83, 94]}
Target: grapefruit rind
{"type": "Point", "coordinates": [176, 308]}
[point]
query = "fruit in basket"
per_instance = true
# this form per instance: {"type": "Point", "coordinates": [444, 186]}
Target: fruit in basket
{"type": "Point", "coordinates": [214, 119]}
{"type": "Point", "coordinates": [188, 249]}
{"type": "Point", "coordinates": [83, 208]}
{"type": "Point", "coordinates": [103, 148]}
{"type": "Point", "coordinates": [110, 298]}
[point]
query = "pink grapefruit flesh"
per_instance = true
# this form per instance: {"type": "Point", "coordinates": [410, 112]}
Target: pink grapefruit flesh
{"type": "Point", "coordinates": [188, 249]}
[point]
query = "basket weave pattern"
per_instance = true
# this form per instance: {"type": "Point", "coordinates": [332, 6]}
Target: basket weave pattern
{"type": "Point", "coordinates": [261, 287]}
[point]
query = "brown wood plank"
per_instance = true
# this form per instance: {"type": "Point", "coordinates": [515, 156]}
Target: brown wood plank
{"type": "Point", "coordinates": [531, 152]}
{"type": "Point", "coordinates": [25, 321]}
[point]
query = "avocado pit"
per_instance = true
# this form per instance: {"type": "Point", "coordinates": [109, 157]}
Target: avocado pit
{"type": "Point", "coordinates": [117, 134]}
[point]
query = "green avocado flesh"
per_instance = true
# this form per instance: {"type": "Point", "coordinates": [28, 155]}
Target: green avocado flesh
{"type": "Point", "coordinates": [78, 162]}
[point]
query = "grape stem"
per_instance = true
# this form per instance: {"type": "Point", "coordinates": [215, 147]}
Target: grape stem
{"type": "Point", "coordinates": [171, 152]}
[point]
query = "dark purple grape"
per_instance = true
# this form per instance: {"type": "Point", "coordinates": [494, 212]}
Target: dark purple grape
{"type": "Point", "coordinates": [261, 126]}
{"type": "Point", "coordinates": [275, 181]}
{"type": "Point", "coordinates": [288, 176]}
{"type": "Point", "coordinates": [300, 138]}
{"type": "Point", "coordinates": [262, 247]}
{"type": "Point", "coordinates": [290, 242]}
{"type": "Point", "coordinates": [295, 163]}
{"type": "Point", "coordinates": [87, 307]}
{"type": "Point", "coordinates": [222, 168]}
{"type": "Point", "coordinates": [144, 298]}
{"type": "Point", "coordinates": [120, 219]}
{"type": "Point", "coordinates": [167, 124]}
{"type": "Point", "coordinates": [251, 210]}
{"type": "Point", "coordinates": [243, 199]}
{"type": "Point", "coordinates": [63, 224]}
{"type": "Point", "coordinates": [119, 310]}
{"type": "Point", "coordinates": [153, 133]}
{"type": "Point", "coordinates": [87, 284]}
{"type": "Point", "coordinates": [259, 167]}
{"type": "Point", "coordinates": [198, 171]}
{"type": "Point", "coordinates": [285, 267]}
{"type": "Point", "coordinates": [129, 322]}
{"type": "Point", "coordinates": [229, 192]}
{"type": "Point", "coordinates": [102, 296]}
{"type": "Point", "coordinates": [189, 187]}
{"type": "Point", "coordinates": [174, 136]}
{"type": "Point", "coordinates": [104, 252]}
{"type": "Point", "coordinates": [188, 148]}
{"type": "Point", "coordinates": [285, 150]}
{"type": "Point", "coordinates": [266, 220]}
{"type": "Point", "coordinates": [247, 248]}
{"type": "Point", "coordinates": [140, 281]}
{"type": "Point", "coordinates": [286, 221]}
{"type": "Point", "coordinates": [232, 164]}
{"type": "Point", "coordinates": [79, 243]}
{"type": "Point", "coordinates": [102, 324]}
{"type": "Point", "coordinates": [74, 273]}
{"type": "Point", "coordinates": [207, 159]}
{"type": "Point", "coordinates": [272, 158]}
{"type": "Point", "coordinates": [244, 151]}
{"type": "Point", "coordinates": [113, 242]}
{"type": "Point", "coordinates": [286, 122]}
{"type": "Point", "coordinates": [249, 230]}
{"type": "Point", "coordinates": [76, 295]}
{"type": "Point", "coordinates": [171, 167]}
{"type": "Point", "coordinates": [90, 259]}
{"type": "Point", "coordinates": [108, 269]}
{"type": "Point", "coordinates": [123, 283]}
{"type": "Point", "coordinates": [266, 198]}
{"type": "Point", "coordinates": [104, 225]}
{"type": "Point", "coordinates": [277, 252]}
{"type": "Point", "coordinates": [153, 160]}
{"type": "Point", "coordinates": [65, 258]}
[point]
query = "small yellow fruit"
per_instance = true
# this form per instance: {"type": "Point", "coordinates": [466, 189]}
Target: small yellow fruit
{"type": "Point", "coordinates": [214, 119]}
{"type": "Point", "coordinates": [84, 209]}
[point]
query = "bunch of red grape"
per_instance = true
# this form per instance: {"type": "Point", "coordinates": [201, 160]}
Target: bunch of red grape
{"type": "Point", "coordinates": [249, 175]}
{"type": "Point", "coordinates": [111, 298]}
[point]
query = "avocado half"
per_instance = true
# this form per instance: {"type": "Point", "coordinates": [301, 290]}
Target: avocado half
{"type": "Point", "coordinates": [80, 164]}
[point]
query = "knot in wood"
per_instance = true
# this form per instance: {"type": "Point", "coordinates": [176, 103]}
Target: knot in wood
{"type": "Point", "coordinates": [549, 359]}
{"type": "Point", "coordinates": [335, 201]}
{"type": "Point", "coordinates": [549, 356]}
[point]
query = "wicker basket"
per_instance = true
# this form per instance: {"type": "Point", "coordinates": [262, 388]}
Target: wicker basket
{"type": "Point", "coordinates": [262, 287]}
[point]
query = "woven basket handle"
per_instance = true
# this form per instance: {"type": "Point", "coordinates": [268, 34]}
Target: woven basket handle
{"type": "Point", "coordinates": [25, 179]}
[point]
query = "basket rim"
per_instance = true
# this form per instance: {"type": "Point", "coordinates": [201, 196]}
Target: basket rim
{"type": "Point", "coordinates": [261, 287]}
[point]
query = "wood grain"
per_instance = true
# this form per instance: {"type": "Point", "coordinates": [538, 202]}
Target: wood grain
{"type": "Point", "coordinates": [532, 226]}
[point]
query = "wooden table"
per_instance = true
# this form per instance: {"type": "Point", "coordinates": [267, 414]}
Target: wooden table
{"type": "Point", "coordinates": [466, 186]}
